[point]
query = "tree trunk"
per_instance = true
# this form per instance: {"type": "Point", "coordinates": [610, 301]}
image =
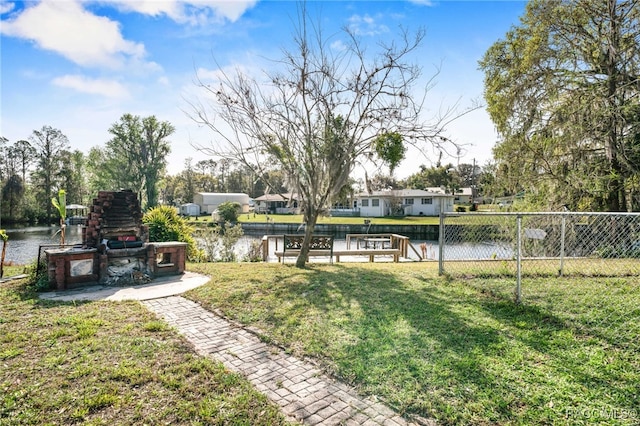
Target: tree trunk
{"type": "Point", "coordinates": [62, 229]}
{"type": "Point", "coordinates": [310, 219]}
{"type": "Point", "coordinates": [616, 199]}
{"type": "Point", "coordinates": [4, 252]}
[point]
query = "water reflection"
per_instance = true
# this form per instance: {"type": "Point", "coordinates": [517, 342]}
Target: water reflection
{"type": "Point", "coordinates": [23, 244]}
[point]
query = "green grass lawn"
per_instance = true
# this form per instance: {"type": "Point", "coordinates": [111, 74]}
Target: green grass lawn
{"type": "Point", "coordinates": [458, 350]}
{"type": "Point", "coordinates": [13, 270]}
{"type": "Point", "coordinates": [107, 363]}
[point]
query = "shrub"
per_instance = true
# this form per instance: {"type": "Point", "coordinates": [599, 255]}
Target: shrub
{"type": "Point", "coordinates": [229, 211]}
{"type": "Point", "coordinates": [461, 209]}
{"type": "Point", "coordinates": [166, 225]}
{"type": "Point", "coordinates": [38, 278]}
{"type": "Point", "coordinates": [254, 252]}
{"type": "Point", "coordinates": [219, 242]}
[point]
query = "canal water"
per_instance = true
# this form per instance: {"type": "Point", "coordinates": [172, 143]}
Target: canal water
{"type": "Point", "coordinates": [24, 244]}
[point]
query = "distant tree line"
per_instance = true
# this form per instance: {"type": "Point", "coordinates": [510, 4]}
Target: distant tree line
{"type": "Point", "coordinates": [33, 170]}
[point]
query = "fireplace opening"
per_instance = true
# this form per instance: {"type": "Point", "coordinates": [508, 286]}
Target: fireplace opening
{"type": "Point", "coordinates": [163, 260]}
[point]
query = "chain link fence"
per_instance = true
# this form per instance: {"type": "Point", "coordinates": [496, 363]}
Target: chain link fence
{"type": "Point", "coordinates": [575, 276]}
{"type": "Point", "coordinates": [539, 245]}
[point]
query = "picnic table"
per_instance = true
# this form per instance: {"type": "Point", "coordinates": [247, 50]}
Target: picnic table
{"type": "Point", "coordinates": [377, 242]}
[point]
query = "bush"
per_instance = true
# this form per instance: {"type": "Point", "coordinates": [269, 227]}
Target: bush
{"type": "Point", "coordinates": [461, 209]}
{"type": "Point", "coordinates": [254, 252]}
{"type": "Point", "coordinates": [229, 211]}
{"type": "Point", "coordinates": [38, 277]}
{"type": "Point", "coordinates": [219, 242]}
{"type": "Point", "coordinates": [166, 225]}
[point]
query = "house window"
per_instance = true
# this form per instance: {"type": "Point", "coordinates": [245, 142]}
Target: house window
{"type": "Point", "coordinates": [427, 201]}
{"type": "Point", "coordinates": [375, 202]}
{"type": "Point", "coordinates": [408, 201]}
{"type": "Point", "coordinates": [365, 203]}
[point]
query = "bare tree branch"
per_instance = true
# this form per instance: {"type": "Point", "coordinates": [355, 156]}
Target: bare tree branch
{"type": "Point", "coordinates": [318, 113]}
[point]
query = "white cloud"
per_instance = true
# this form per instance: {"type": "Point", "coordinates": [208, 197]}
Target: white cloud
{"type": "Point", "coordinates": [194, 12]}
{"type": "Point", "coordinates": [422, 2]}
{"type": "Point", "coordinates": [102, 87]}
{"type": "Point", "coordinates": [6, 7]}
{"type": "Point", "coordinates": [67, 29]}
{"type": "Point", "coordinates": [339, 46]}
{"type": "Point", "coordinates": [213, 76]}
{"type": "Point", "coordinates": [366, 25]}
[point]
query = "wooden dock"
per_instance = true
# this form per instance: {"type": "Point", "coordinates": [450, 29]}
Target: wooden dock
{"type": "Point", "coordinates": [369, 245]}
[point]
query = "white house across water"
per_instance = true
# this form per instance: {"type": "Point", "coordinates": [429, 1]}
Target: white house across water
{"type": "Point", "coordinates": [404, 202]}
{"type": "Point", "coordinates": [277, 204]}
{"type": "Point", "coordinates": [209, 201]}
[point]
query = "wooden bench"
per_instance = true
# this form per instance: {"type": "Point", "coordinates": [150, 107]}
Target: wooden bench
{"type": "Point", "coordinates": [320, 245]}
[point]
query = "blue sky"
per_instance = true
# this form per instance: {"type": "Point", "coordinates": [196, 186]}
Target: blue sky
{"type": "Point", "coordinates": [78, 65]}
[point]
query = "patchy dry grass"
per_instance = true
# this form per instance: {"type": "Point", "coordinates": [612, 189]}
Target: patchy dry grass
{"type": "Point", "coordinates": [111, 363]}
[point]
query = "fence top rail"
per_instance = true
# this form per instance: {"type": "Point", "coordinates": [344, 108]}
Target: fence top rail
{"type": "Point", "coordinates": [455, 214]}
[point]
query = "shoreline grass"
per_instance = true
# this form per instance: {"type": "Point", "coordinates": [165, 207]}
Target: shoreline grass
{"type": "Point", "coordinates": [106, 363]}
{"type": "Point", "coordinates": [457, 350]}
{"type": "Point", "coordinates": [12, 270]}
{"type": "Point", "coordinates": [293, 218]}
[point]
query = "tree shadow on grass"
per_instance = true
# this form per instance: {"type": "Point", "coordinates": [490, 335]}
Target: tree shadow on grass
{"type": "Point", "coordinates": [590, 360]}
{"type": "Point", "coordinates": [409, 335]}
{"type": "Point", "coordinates": [411, 341]}
{"type": "Point", "coordinates": [426, 345]}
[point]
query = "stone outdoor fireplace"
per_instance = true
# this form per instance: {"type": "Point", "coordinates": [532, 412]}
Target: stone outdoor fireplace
{"type": "Point", "coordinates": [115, 250]}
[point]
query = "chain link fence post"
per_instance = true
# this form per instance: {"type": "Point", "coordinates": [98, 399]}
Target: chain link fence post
{"type": "Point", "coordinates": [519, 259]}
{"type": "Point", "coordinates": [441, 243]}
{"type": "Point", "coordinates": [563, 236]}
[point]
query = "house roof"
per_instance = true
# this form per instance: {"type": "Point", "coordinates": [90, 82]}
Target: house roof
{"type": "Point", "coordinates": [437, 189]}
{"type": "Point", "coordinates": [460, 191]}
{"type": "Point", "coordinates": [403, 193]}
{"type": "Point", "coordinates": [223, 193]}
{"type": "Point", "coordinates": [276, 197]}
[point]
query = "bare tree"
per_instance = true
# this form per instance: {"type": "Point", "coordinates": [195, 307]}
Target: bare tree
{"type": "Point", "coordinates": [318, 115]}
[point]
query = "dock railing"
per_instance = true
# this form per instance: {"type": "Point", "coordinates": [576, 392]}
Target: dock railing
{"type": "Point", "coordinates": [384, 240]}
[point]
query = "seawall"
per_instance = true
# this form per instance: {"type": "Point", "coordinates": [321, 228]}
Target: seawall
{"type": "Point", "coordinates": [415, 232]}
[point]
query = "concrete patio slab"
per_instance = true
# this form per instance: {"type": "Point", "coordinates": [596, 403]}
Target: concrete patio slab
{"type": "Point", "coordinates": [160, 287]}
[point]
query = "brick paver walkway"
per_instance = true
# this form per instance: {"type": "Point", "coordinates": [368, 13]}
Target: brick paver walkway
{"type": "Point", "coordinates": [303, 391]}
